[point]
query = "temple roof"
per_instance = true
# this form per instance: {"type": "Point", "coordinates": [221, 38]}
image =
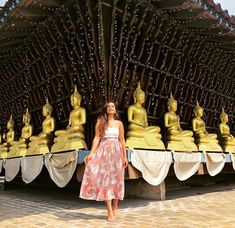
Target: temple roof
{"type": "Point", "coordinates": [204, 18]}
{"type": "Point", "coordinates": [18, 18]}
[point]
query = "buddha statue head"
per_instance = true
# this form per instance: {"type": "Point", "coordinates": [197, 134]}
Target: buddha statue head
{"type": "Point", "coordinates": [172, 104]}
{"type": "Point", "coordinates": [139, 95]}
{"type": "Point", "coordinates": [76, 98]}
{"type": "Point", "coordinates": [198, 110]}
{"type": "Point", "coordinates": [223, 116]}
{"type": "Point", "coordinates": [26, 117]}
{"type": "Point", "coordinates": [47, 109]}
{"type": "Point", "coordinates": [10, 123]}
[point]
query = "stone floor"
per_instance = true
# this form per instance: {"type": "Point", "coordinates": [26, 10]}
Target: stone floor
{"type": "Point", "coordinates": [207, 206]}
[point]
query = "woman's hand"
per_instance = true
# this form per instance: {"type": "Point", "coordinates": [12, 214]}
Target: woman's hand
{"type": "Point", "coordinates": [88, 158]}
{"type": "Point", "coordinates": [125, 162]}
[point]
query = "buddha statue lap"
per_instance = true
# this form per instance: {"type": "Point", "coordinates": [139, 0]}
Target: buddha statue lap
{"type": "Point", "coordinates": [42, 143]}
{"type": "Point", "coordinates": [139, 134]}
{"type": "Point", "coordinates": [19, 148]}
{"type": "Point", "coordinates": [10, 136]}
{"type": "Point", "coordinates": [177, 139]}
{"type": "Point", "coordinates": [72, 138]}
{"type": "Point", "coordinates": [204, 140]}
{"type": "Point", "coordinates": [227, 140]}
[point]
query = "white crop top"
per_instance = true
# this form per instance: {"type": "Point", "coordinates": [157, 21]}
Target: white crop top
{"type": "Point", "coordinates": [111, 132]}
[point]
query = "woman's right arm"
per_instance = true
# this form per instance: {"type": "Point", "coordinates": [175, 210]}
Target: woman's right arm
{"type": "Point", "coordinates": [95, 143]}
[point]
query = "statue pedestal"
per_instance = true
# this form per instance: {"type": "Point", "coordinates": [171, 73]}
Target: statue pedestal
{"type": "Point", "coordinates": [40, 145]}
{"type": "Point", "coordinates": [65, 144]}
{"type": "Point", "coordinates": [209, 146]}
{"type": "Point", "coordinates": [12, 154]}
{"type": "Point", "coordinates": [4, 151]}
{"type": "Point", "coordinates": [184, 146]}
{"type": "Point", "coordinates": [230, 149]}
{"type": "Point", "coordinates": [37, 148]}
{"type": "Point", "coordinates": [17, 150]}
{"type": "Point", "coordinates": [143, 143]}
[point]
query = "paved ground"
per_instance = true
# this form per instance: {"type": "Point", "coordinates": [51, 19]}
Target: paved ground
{"type": "Point", "coordinates": [207, 206]}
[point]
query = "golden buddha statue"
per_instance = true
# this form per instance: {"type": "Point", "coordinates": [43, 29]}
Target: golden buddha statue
{"type": "Point", "coordinates": [72, 138]}
{"type": "Point", "coordinates": [10, 136]}
{"type": "Point", "coordinates": [177, 139]}
{"type": "Point", "coordinates": [227, 140]}
{"type": "Point", "coordinates": [204, 140]}
{"type": "Point", "coordinates": [41, 144]}
{"type": "Point", "coordinates": [19, 148]}
{"type": "Point", "coordinates": [139, 134]}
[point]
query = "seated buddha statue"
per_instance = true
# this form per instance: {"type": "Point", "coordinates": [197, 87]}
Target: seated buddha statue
{"type": "Point", "coordinates": [204, 140]}
{"type": "Point", "coordinates": [177, 139]}
{"type": "Point", "coordinates": [139, 134]}
{"type": "Point", "coordinates": [19, 148]}
{"type": "Point", "coordinates": [227, 140]}
{"type": "Point", "coordinates": [9, 137]}
{"type": "Point", "coordinates": [72, 138]}
{"type": "Point", "coordinates": [42, 143]}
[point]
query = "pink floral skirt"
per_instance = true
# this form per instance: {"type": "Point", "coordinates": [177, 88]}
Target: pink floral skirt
{"type": "Point", "coordinates": [103, 178]}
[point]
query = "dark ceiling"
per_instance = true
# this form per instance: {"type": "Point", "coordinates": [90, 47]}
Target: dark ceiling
{"type": "Point", "coordinates": [18, 18]}
{"type": "Point", "coordinates": [106, 47]}
{"type": "Point", "coordinates": [203, 17]}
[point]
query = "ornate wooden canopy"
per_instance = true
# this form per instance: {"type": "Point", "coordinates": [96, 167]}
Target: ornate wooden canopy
{"type": "Point", "coordinates": [106, 47]}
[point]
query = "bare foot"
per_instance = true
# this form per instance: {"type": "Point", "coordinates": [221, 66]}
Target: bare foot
{"type": "Point", "coordinates": [110, 218]}
{"type": "Point", "coordinates": [115, 213]}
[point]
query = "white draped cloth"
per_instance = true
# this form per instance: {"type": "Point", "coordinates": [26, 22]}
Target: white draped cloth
{"type": "Point", "coordinates": [186, 164]}
{"type": "Point", "coordinates": [61, 166]}
{"type": "Point", "coordinates": [232, 156]}
{"type": "Point", "coordinates": [154, 165]}
{"type": "Point", "coordinates": [214, 162]}
{"type": "Point", "coordinates": [31, 167]}
{"type": "Point", "coordinates": [12, 167]}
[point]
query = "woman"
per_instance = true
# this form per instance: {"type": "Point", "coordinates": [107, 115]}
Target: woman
{"type": "Point", "coordinates": [103, 178]}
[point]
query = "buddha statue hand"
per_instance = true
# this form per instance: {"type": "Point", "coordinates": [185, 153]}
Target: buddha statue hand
{"type": "Point", "coordinates": [60, 132]}
{"type": "Point", "coordinates": [42, 135]}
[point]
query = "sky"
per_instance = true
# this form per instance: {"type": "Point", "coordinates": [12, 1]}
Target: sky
{"type": "Point", "coordinates": [225, 4]}
{"type": "Point", "coordinates": [2, 2]}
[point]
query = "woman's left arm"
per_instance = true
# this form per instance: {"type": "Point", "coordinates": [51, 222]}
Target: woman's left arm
{"type": "Point", "coordinates": [122, 141]}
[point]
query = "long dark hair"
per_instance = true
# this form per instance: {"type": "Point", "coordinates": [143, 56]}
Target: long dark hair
{"type": "Point", "coordinates": [103, 118]}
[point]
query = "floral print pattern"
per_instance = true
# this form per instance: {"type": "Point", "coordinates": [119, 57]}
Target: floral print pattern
{"type": "Point", "coordinates": [104, 174]}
